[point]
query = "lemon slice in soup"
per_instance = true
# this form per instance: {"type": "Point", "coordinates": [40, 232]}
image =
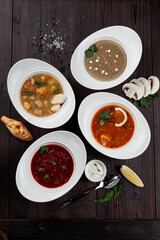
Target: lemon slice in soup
{"type": "Point", "coordinates": [124, 116]}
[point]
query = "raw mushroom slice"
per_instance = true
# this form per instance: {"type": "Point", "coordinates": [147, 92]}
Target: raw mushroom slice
{"type": "Point", "coordinates": [154, 83]}
{"type": "Point", "coordinates": [132, 91]}
{"type": "Point", "coordinates": [147, 86]}
{"type": "Point", "coordinates": [125, 117]}
{"type": "Point", "coordinates": [139, 84]}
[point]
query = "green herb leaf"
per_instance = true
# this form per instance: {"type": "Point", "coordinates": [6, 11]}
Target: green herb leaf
{"type": "Point", "coordinates": [112, 193]}
{"type": "Point", "coordinates": [53, 162]}
{"type": "Point", "coordinates": [57, 89]}
{"type": "Point", "coordinates": [40, 84]}
{"type": "Point", "coordinates": [64, 167]}
{"type": "Point", "coordinates": [43, 149]}
{"type": "Point", "coordinates": [144, 102]}
{"type": "Point", "coordinates": [94, 48]}
{"type": "Point", "coordinates": [28, 93]}
{"type": "Point", "coordinates": [104, 115]}
{"type": "Point", "coordinates": [43, 95]}
{"type": "Point", "coordinates": [40, 169]}
{"type": "Point", "coordinates": [102, 122]}
{"type": "Point", "coordinates": [152, 96]}
{"type": "Point", "coordinates": [136, 103]}
{"type": "Point", "coordinates": [89, 53]}
{"type": "Point", "coordinates": [95, 164]}
{"type": "Point", "coordinates": [46, 176]}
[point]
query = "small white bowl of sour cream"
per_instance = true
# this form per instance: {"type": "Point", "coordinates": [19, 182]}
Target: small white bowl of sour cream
{"type": "Point", "coordinates": [95, 170]}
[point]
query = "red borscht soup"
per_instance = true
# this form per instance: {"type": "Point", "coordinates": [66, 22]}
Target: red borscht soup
{"type": "Point", "coordinates": [52, 166]}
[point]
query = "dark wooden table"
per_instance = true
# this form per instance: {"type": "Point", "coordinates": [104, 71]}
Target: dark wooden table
{"type": "Point", "coordinates": [134, 214]}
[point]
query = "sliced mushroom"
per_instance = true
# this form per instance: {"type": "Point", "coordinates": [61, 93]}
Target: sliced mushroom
{"type": "Point", "coordinates": [58, 99]}
{"type": "Point", "coordinates": [154, 83]}
{"type": "Point", "coordinates": [55, 108]}
{"type": "Point", "coordinates": [139, 84]}
{"type": "Point", "coordinates": [132, 91]}
{"type": "Point", "coordinates": [147, 86]}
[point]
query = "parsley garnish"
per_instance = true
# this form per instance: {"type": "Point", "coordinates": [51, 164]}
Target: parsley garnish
{"type": "Point", "coordinates": [103, 116]}
{"type": "Point", "coordinates": [40, 169]}
{"type": "Point", "coordinates": [144, 101]}
{"type": "Point", "coordinates": [28, 93]}
{"type": "Point", "coordinates": [90, 52]}
{"type": "Point", "coordinates": [43, 149]}
{"type": "Point", "coordinates": [64, 167]}
{"type": "Point", "coordinates": [53, 162]}
{"type": "Point", "coordinates": [57, 89]}
{"type": "Point", "coordinates": [112, 193]}
{"type": "Point", "coordinates": [46, 176]}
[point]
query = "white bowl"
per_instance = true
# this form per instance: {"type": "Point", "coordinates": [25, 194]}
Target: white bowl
{"type": "Point", "coordinates": [27, 185]}
{"type": "Point", "coordinates": [26, 68]}
{"type": "Point", "coordinates": [104, 169]}
{"type": "Point", "coordinates": [140, 139]}
{"type": "Point", "coordinates": [124, 36]}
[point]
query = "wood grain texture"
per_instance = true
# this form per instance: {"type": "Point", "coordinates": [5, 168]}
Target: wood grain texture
{"type": "Point", "coordinates": [5, 64]}
{"type": "Point", "coordinates": [86, 230]}
{"type": "Point", "coordinates": [74, 20]}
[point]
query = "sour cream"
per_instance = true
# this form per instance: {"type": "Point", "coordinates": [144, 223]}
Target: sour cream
{"type": "Point", "coordinates": [95, 170]}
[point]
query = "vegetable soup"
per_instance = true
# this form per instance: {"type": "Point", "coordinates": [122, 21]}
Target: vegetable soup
{"type": "Point", "coordinates": [112, 126]}
{"type": "Point", "coordinates": [42, 95]}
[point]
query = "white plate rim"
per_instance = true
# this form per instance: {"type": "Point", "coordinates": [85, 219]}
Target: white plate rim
{"type": "Point", "coordinates": [90, 82]}
{"type": "Point", "coordinates": [56, 193]}
{"type": "Point", "coordinates": [42, 66]}
{"type": "Point", "coordinates": [115, 154]}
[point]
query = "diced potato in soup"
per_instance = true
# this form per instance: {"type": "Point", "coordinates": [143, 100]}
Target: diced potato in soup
{"type": "Point", "coordinates": [37, 94]}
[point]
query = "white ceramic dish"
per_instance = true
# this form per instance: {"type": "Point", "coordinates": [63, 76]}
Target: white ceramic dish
{"type": "Point", "coordinates": [26, 184]}
{"type": "Point", "coordinates": [104, 170]}
{"type": "Point", "coordinates": [126, 37]}
{"type": "Point", "coordinates": [23, 70]}
{"type": "Point", "coordinates": [141, 137]}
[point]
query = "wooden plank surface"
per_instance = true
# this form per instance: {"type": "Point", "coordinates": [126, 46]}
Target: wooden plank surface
{"type": "Point", "coordinates": [73, 20]}
{"type": "Point", "coordinates": [86, 230]}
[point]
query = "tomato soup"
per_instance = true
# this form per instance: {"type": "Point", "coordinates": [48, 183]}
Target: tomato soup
{"type": "Point", "coordinates": [52, 166]}
{"type": "Point", "coordinates": [112, 126]}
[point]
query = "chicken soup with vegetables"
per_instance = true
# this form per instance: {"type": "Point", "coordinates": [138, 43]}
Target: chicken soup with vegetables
{"type": "Point", "coordinates": [42, 95]}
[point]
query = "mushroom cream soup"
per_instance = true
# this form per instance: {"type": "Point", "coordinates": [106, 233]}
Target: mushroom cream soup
{"type": "Point", "coordinates": [42, 95]}
{"type": "Point", "coordinates": [105, 60]}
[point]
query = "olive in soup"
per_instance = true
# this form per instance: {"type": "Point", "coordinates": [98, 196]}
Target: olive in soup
{"type": "Point", "coordinates": [112, 126]}
{"type": "Point", "coordinates": [42, 95]}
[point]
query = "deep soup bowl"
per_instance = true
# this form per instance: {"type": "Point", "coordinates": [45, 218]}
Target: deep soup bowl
{"type": "Point", "coordinates": [26, 68]}
{"type": "Point", "coordinates": [25, 181]}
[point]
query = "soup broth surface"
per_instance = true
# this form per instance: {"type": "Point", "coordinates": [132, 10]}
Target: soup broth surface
{"type": "Point", "coordinates": [108, 63]}
{"type": "Point", "coordinates": [37, 93]}
{"type": "Point", "coordinates": [105, 131]}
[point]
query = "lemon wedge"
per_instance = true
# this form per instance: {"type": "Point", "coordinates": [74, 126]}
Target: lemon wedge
{"type": "Point", "coordinates": [125, 117]}
{"type": "Point", "coordinates": [131, 176]}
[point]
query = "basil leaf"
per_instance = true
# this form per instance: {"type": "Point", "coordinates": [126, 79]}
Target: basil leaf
{"type": "Point", "coordinates": [64, 167]}
{"type": "Point", "coordinates": [46, 176]}
{"type": "Point", "coordinates": [94, 48]}
{"type": "Point", "coordinates": [40, 169]}
{"type": "Point", "coordinates": [102, 122]}
{"type": "Point", "coordinates": [43, 149]}
{"type": "Point", "coordinates": [53, 162]}
{"type": "Point", "coordinates": [89, 53]}
{"type": "Point", "coordinates": [104, 114]}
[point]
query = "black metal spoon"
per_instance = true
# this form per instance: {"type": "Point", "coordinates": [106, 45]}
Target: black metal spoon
{"type": "Point", "coordinates": [108, 182]}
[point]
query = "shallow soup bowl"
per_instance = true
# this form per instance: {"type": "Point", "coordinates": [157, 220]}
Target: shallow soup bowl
{"type": "Point", "coordinates": [141, 135]}
{"type": "Point", "coordinates": [16, 78]}
{"type": "Point", "coordinates": [33, 190]}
